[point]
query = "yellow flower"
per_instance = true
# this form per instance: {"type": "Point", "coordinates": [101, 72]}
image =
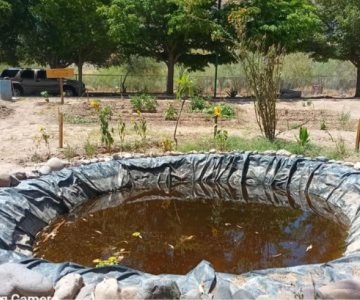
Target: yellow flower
{"type": "Point", "coordinates": [217, 111]}
{"type": "Point", "coordinates": [95, 104]}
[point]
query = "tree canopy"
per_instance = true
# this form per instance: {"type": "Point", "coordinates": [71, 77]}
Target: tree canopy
{"type": "Point", "coordinates": [66, 32]}
{"type": "Point", "coordinates": [287, 24]}
{"type": "Point", "coordinates": [339, 37]}
{"type": "Point", "coordinates": [193, 33]}
{"type": "Point", "coordinates": [170, 31]}
{"type": "Point", "coordinates": [14, 19]}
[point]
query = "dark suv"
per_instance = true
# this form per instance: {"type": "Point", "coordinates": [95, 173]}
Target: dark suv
{"type": "Point", "coordinates": [34, 81]}
{"type": "Point", "coordinates": [9, 73]}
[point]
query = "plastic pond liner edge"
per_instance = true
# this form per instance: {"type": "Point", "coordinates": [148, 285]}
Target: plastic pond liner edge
{"type": "Point", "coordinates": [27, 208]}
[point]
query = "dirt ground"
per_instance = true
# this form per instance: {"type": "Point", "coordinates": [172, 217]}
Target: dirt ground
{"type": "Point", "coordinates": [20, 124]}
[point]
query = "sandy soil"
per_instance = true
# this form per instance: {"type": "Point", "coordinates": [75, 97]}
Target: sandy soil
{"type": "Point", "coordinates": [20, 122]}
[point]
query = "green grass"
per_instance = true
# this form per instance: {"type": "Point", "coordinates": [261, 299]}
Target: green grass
{"type": "Point", "coordinates": [77, 120]}
{"type": "Point", "coordinates": [262, 144]}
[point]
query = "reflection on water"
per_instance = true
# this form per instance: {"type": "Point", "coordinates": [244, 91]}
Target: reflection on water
{"type": "Point", "coordinates": [168, 236]}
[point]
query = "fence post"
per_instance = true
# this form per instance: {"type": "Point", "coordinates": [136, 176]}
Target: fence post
{"type": "Point", "coordinates": [357, 144]}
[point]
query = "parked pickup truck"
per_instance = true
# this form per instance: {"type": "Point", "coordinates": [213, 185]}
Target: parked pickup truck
{"type": "Point", "coordinates": [34, 81]}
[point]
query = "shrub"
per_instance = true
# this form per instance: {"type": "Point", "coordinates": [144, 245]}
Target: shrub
{"type": "Point", "coordinates": [232, 92]}
{"type": "Point", "coordinates": [144, 103]}
{"type": "Point", "coordinates": [167, 145]}
{"type": "Point", "coordinates": [171, 113]}
{"type": "Point", "coordinates": [197, 104]}
{"type": "Point", "coordinates": [105, 118]}
{"type": "Point", "coordinates": [89, 148]}
{"type": "Point", "coordinates": [221, 140]}
{"type": "Point", "coordinates": [304, 136]}
{"type": "Point", "coordinates": [140, 127]}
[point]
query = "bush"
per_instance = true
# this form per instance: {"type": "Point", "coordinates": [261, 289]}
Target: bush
{"type": "Point", "coordinates": [171, 113]}
{"type": "Point", "coordinates": [198, 104]}
{"type": "Point", "coordinates": [144, 103]}
{"type": "Point", "coordinates": [227, 111]}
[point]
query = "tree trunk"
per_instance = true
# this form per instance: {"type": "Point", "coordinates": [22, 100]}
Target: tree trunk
{"type": "Point", "coordinates": [170, 75]}
{"type": "Point", "coordinates": [357, 92]}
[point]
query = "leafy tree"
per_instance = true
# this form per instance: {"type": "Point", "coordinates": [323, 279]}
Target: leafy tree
{"type": "Point", "coordinates": [339, 37]}
{"type": "Point", "coordinates": [67, 32]}
{"type": "Point", "coordinates": [170, 31]}
{"type": "Point", "coordinates": [15, 19]}
{"type": "Point", "coordinates": [285, 24]}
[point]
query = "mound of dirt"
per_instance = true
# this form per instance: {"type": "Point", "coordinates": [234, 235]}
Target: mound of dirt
{"type": "Point", "coordinates": [5, 111]}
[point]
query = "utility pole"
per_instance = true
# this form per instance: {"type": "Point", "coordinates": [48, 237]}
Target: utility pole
{"type": "Point", "coordinates": [216, 59]}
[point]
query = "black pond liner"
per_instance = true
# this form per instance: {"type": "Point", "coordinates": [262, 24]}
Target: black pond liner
{"type": "Point", "coordinates": [28, 208]}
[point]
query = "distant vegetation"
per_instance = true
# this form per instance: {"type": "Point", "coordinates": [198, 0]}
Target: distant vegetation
{"type": "Point", "coordinates": [149, 41]}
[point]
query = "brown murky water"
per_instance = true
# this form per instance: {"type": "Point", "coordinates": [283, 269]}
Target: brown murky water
{"type": "Point", "coordinates": [164, 236]}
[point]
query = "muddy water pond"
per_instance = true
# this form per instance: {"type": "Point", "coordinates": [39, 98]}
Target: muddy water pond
{"type": "Point", "coordinates": [173, 236]}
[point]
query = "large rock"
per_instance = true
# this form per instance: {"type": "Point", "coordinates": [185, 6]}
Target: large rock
{"type": "Point", "coordinates": [68, 286]}
{"type": "Point", "coordinates": [86, 292]}
{"type": "Point", "coordinates": [5, 180]}
{"type": "Point", "coordinates": [344, 289]}
{"type": "Point", "coordinates": [56, 164]}
{"type": "Point", "coordinates": [161, 289]}
{"type": "Point", "coordinates": [44, 170]}
{"type": "Point", "coordinates": [107, 289]}
{"type": "Point", "coordinates": [17, 279]}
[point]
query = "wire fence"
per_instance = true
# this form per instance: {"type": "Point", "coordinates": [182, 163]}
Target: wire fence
{"type": "Point", "coordinates": [226, 86]}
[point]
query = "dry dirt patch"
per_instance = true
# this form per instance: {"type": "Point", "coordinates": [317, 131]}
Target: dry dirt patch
{"type": "Point", "coordinates": [20, 123]}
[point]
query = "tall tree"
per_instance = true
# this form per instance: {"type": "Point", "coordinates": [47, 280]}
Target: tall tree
{"type": "Point", "coordinates": [67, 32]}
{"type": "Point", "coordinates": [340, 38]}
{"type": "Point", "coordinates": [170, 31]}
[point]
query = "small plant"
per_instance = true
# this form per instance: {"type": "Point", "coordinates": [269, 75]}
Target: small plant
{"type": "Point", "coordinates": [121, 130]}
{"type": "Point", "coordinates": [323, 121]}
{"type": "Point", "coordinates": [46, 95]}
{"type": "Point", "coordinates": [217, 114]}
{"type": "Point", "coordinates": [197, 104]}
{"type": "Point", "coordinates": [144, 103]}
{"type": "Point", "coordinates": [89, 148]}
{"type": "Point", "coordinates": [232, 92]}
{"type": "Point", "coordinates": [167, 145]}
{"type": "Point", "coordinates": [105, 115]}
{"type": "Point", "coordinates": [340, 148]}
{"type": "Point", "coordinates": [43, 137]}
{"type": "Point", "coordinates": [323, 124]}
{"type": "Point", "coordinates": [185, 89]}
{"type": "Point", "coordinates": [227, 111]}
{"type": "Point", "coordinates": [111, 261]}
{"type": "Point", "coordinates": [221, 140]}
{"type": "Point", "coordinates": [304, 137]}
{"type": "Point", "coordinates": [140, 126]}
{"type": "Point", "coordinates": [171, 113]}
{"type": "Point", "coordinates": [344, 120]}
{"type": "Point", "coordinates": [69, 152]}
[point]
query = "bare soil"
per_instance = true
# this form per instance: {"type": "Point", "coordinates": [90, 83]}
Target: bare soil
{"type": "Point", "coordinates": [21, 146]}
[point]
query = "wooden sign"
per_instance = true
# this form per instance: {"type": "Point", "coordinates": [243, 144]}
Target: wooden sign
{"type": "Point", "coordinates": [59, 73]}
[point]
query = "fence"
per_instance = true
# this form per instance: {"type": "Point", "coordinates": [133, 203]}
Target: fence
{"type": "Point", "coordinates": [311, 86]}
